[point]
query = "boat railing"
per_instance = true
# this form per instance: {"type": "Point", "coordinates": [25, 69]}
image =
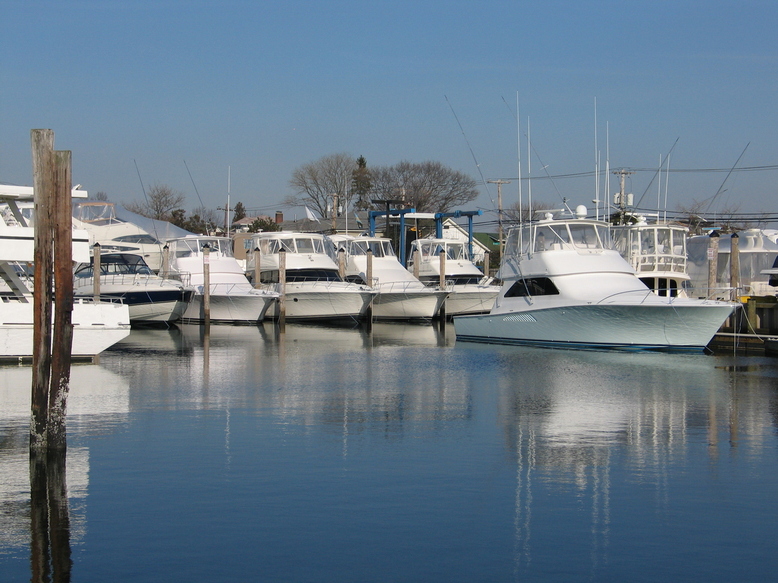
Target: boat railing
{"type": "Point", "coordinates": [138, 279]}
{"type": "Point", "coordinates": [185, 277]}
{"type": "Point", "coordinates": [402, 286]}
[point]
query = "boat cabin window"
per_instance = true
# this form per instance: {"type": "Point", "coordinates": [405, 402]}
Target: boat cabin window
{"type": "Point", "coordinates": [140, 239]}
{"type": "Point", "coordinates": [550, 237]}
{"type": "Point", "coordinates": [455, 251]}
{"type": "Point", "coordinates": [647, 242]}
{"type": "Point", "coordinates": [379, 248]}
{"type": "Point", "coordinates": [115, 264]}
{"type": "Point", "coordinates": [585, 236]}
{"type": "Point", "coordinates": [532, 286]}
{"type": "Point", "coordinates": [310, 245]}
{"type": "Point", "coordinates": [298, 275]}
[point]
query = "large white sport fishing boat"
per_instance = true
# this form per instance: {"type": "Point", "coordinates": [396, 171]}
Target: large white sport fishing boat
{"type": "Point", "coordinates": [565, 286]}
{"type": "Point", "coordinates": [314, 288]}
{"type": "Point", "coordinates": [96, 325]}
{"type": "Point", "coordinates": [471, 292]}
{"type": "Point", "coordinates": [401, 296]}
{"type": "Point", "coordinates": [233, 300]}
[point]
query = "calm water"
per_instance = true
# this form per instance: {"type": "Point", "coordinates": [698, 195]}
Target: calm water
{"type": "Point", "coordinates": [331, 454]}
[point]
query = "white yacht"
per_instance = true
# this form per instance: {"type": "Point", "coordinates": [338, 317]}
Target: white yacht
{"type": "Point", "coordinates": [314, 288]}
{"type": "Point", "coordinates": [233, 300]}
{"type": "Point", "coordinates": [471, 291]}
{"type": "Point", "coordinates": [401, 296]}
{"type": "Point", "coordinates": [96, 325]}
{"type": "Point", "coordinates": [657, 253]}
{"type": "Point", "coordinates": [565, 286]}
{"type": "Point", "coordinates": [126, 278]}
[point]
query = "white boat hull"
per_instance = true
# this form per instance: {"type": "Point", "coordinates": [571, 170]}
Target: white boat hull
{"type": "Point", "coordinates": [248, 308]}
{"type": "Point", "coordinates": [153, 304]}
{"type": "Point", "coordinates": [96, 326]}
{"type": "Point", "coordinates": [471, 299]}
{"type": "Point", "coordinates": [399, 302]}
{"type": "Point", "coordinates": [677, 326]}
{"type": "Point", "coordinates": [323, 300]}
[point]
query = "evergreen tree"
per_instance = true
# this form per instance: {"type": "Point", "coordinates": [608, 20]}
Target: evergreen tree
{"type": "Point", "coordinates": [361, 184]}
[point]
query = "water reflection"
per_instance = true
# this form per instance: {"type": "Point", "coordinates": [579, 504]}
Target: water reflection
{"type": "Point", "coordinates": [49, 519]}
{"type": "Point", "coordinates": [399, 439]}
{"type": "Point", "coordinates": [567, 416]}
{"type": "Point", "coordinates": [42, 510]}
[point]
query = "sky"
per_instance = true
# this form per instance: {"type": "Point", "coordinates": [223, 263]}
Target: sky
{"type": "Point", "coordinates": [211, 96]}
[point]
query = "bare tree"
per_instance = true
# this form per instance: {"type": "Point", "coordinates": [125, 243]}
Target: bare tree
{"type": "Point", "coordinates": [101, 196]}
{"type": "Point", "coordinates": [515, 214]}
{"type": "Point", "coordinates": [697, 217]}
{"type": "Point", "coordinates": [315, 183]}
{"type": "Point", "coordinates": [427, 186]}
{"type": "Point", "coordinates": [161, 201]}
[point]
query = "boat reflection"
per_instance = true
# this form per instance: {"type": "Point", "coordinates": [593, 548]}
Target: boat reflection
{"type": "Point", "coordinates": [40, 507]}
{"type": "Point", "coordinates": [565, 416]}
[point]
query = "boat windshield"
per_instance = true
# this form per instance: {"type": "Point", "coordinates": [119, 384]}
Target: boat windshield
{"type": "Point", "coordinates": [114, 264]}
{"type": "Point", "coordinates": [553, 236]}
{"type": "Point", "coordinates": [193, 247]}
{"type": "Point", "coordinates": [378, 247]}
{"type": "Point", "coordinates": [311, 245]}
{"type": "Point", "coordinates": [585, 236]}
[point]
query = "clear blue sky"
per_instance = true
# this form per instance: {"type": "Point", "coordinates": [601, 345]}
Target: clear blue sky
{"type": "Point", "coordinates": [264, 86]}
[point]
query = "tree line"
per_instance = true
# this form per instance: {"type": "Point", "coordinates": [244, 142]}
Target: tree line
{"type": "Point", "coordinates": [333, 183]}
{"type": "Point", "coordinates": [339, 181]}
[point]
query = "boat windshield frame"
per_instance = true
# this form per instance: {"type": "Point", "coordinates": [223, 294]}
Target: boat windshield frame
{"type": "Point", "coordinates": [379, 247]}
{"type": "Point", "coordinates": [581, 235]}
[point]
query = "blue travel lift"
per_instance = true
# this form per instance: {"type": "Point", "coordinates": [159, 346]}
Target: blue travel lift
{"type": "Point", "coordinates": [438, 225]}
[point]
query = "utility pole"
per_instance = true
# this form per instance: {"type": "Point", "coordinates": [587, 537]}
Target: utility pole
{"type": "Point", "coordinates": [624, 199]}
{"type": "Point", "coordinates": [499, 184]}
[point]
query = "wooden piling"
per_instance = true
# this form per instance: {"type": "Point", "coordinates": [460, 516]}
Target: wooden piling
{"type": "Point", "coordinates": [713, 263]}
{"type": "Point", "coordinates": [369, 282]}
{"type": "Point", "coordinates": [207, 284]}
{"type": "Point", "coordinates": [165, 261]}
{"type": "Point", "coordinates": [487, 267]}
{"type": "Point", "coordinates": [96, 271]}
{"type": "Point", "coordinates": [734, 265]}
{"type": "Point", "coordinates": [282, 288]}
{"type": "Point", "coordinates": [416, 263]}
{"type": "Point", "coordinates": [44, 181]}
{"type": "Point", "coordinates": [342, 263]}
{"type": "Point", "coordinates": [63, 303]}
{"type": "Point", "coordinates": [257, 267]}
{"type": "Point", "coordinates": [442, 256]}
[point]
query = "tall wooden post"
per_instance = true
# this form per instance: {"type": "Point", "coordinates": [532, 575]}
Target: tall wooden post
{"type": "Point", "coordinates": [487, 267]}
{"type": "Point", "coordinates": [63, 303]}
{"type": "Point", "coordinates": [369, 282]}
{"type": "Point", "coordinates": [96, 271]}
{"type": "Point", "coordinates": [257, 267]}
{"type": "Point", "coordinates": [342, 263]}
{"type": "Point", "coordinates": [207, 284]}
{"type": "Point", "coordinates": [44, 181]}
{"type": "Point", "coordinates": [713, 263]}
{"type": "Point", "coordinates": [734, 265]}
{"type": "Point", "coordinates": [442, 256]}
{"type": "Point", "coordinates": [166, 261]}
{"type": "Point", "coordinates": [282, 288]}
{"type": "Point", "coordinates": [416, 263]}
